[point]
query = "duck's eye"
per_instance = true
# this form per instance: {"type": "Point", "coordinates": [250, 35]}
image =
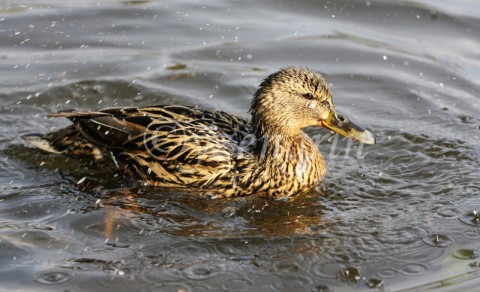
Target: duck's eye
{"type": "Point", "coordinates": [308, 96]}
{"type": "Point", "coordinates": [326, 104]}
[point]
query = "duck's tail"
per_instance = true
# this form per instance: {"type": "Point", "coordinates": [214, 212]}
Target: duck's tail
{"type": "Point", "coordinates": [68, 140]}
{"type": "Point", "coordinates": [39, 141]}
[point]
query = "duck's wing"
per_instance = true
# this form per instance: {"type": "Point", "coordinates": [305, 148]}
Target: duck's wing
{"type": "Point", "coordinates": [109, 128]}
{"type": "Point", "coordinates": [168, 145]}
{"type": "Point", "coordinates": [117, 128]}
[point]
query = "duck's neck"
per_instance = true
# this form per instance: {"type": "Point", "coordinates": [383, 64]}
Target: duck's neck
{"type": "Point", "coordinates": [287, 165]}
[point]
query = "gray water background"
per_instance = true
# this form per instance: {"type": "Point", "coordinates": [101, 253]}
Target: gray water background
{"type": "Point", "coordinates": [393, 216]}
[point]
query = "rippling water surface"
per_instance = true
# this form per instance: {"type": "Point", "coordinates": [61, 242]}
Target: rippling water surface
{"type": "Point", "coordinates": [398, 215]}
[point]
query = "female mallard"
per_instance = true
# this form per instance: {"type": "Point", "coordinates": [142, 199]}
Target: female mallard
{"type": "Point", "coordinates": [185, 147]}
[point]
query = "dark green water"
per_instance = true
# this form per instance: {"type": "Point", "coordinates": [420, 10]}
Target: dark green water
{"type": "Point", "coordinates": [395, 216]}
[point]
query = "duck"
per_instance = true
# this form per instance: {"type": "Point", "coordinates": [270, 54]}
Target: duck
{"type": "Point", "coordinates": [213, 152]}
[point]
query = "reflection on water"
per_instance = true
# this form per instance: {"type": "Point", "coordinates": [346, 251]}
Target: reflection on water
{"type": "Point", "coordinates": [397, 215]}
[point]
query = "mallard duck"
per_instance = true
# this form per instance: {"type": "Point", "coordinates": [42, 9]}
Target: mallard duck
{"type": "Point", "coordinates": [173, 146]}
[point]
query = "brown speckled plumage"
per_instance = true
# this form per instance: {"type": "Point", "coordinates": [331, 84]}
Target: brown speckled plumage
{"type": "Point", "coordinates": [220, 154]}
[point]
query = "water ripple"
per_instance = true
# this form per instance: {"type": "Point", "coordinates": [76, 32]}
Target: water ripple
{"type": "Point", "coordinates": [52, 277]}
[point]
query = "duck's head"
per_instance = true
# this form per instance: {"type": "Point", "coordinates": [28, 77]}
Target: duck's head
{"type": "Point", "coordinates": [294, 98]}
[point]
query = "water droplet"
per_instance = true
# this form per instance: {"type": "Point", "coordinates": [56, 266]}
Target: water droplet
{"type": "Point", "coordinates": [229, 212]}
{"type": "Point", "coordinates": [475, 264]}
{"type": "Point", "coordinates": [385, 57]}
{"type": "Point", "coordinates": [439, 240]}
{"type": "Point", "coordinates": [471, 218]}
{"type": "Point", "coordinates": [70, 212]}
{"type": "Point", "coordinates": [466, 254]}
{"type": "Point", "coordinates": [374, 283]}
{"type": "Point", "coordinates": [80, 181]}
{"type": "Point", "coordinates": [52, 278]}
{"type": "Point", "coordinates": [349, 275]}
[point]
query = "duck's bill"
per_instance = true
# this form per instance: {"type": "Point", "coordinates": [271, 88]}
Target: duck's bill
{"type": "Point", "coordinates": [341, 124]}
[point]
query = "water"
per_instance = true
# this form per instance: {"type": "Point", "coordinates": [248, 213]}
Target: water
{"type": "Point", "coordinates": [398, 215]}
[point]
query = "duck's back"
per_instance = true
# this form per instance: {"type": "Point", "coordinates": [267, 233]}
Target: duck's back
{"type": "Point", "coordinates": [168, 146]}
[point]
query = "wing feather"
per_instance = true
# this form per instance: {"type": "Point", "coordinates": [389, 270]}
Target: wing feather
{"type": "Point", "coordinates": [167, 145]}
